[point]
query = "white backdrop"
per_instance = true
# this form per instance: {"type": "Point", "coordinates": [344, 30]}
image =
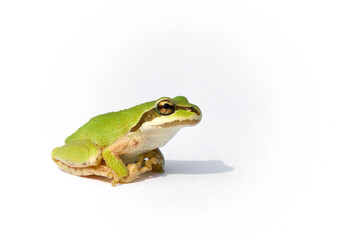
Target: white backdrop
{"type": "Point", "coordinates": [276, 155]}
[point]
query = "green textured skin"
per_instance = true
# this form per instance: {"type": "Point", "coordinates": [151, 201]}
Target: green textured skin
{"type": "Point", "coordinates": [113, 163]}
{"type": "Point", "coordinates": [106, 128]}
{"type": "Point", "coordinates": [76, 152]}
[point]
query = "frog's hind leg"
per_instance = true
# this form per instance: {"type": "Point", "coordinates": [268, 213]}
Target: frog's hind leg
{"type": "Point", "coordinates": [100, 170]}
{"type": "Point", "coordinates": [81, 158]}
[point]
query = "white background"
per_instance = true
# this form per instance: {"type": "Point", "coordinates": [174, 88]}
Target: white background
{"type": "Point", "coordinates": [276, 155]}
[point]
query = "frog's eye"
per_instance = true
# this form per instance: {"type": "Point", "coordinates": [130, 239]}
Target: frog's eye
{"type": "Point", "coordinates": [166, 107]}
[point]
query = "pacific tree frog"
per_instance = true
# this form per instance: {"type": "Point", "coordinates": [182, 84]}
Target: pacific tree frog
{"type": "Point", "coordinates": [117, 144]}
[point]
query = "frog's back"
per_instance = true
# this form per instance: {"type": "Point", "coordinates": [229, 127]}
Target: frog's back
{"type": "Point", "coordinates": [106, 128]}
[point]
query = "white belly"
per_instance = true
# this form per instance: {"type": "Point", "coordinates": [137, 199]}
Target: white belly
{"type": "Point", "coordinates": [149, 140]}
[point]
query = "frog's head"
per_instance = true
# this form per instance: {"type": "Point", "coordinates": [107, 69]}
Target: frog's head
{"type": "Point", "coordinates": [169, 113]}
{"type": "Point", "coordinates": [177, 111]}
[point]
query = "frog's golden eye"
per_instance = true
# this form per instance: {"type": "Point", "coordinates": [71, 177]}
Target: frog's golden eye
{"type": "Point", "coordinates": [166, 107]}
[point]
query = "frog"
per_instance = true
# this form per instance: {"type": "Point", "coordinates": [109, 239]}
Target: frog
{"type": "Point", "coordinates": [124, 144]}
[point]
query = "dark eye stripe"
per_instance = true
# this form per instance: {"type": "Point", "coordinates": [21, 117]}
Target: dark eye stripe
{"type": "Point", "coordinates": [146, 117]}
{"type": "Point", "coordinates": [185, 108]}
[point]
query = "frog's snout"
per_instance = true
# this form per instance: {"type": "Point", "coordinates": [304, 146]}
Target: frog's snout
{"type": "Point", "coordinates": [195, 109]}
{"type": "Point", "coordinates": [196, 118]}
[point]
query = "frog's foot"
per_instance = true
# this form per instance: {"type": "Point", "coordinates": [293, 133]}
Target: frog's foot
{"type": "Point", "coordinates": [115, 180]}
{"type": "Point", "coordinates": [155, 162]}
{"type": "Point", "coordinates": [134, 172]}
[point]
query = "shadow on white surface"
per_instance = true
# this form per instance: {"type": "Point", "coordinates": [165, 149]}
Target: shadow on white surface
{"type": "Point", "coordinates": [192, 167]}
{"type": "Point", "coordinates": [196, 167]}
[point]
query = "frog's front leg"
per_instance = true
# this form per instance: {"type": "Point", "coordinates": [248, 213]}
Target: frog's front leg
{"type": "Point", "coordinates": [116, 164]}
{"type": "Point", "coordinates": [155, 161]}
{"type": "Point", "coordinates": [112, 158]}
{"type": "Point", "coordinates": [134, 170]}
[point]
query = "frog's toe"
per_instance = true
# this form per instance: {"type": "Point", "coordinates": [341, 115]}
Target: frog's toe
{"type": "Point", "coordinates": [134, 173]}
{"type": "Point", "coordinates": [115, 180]}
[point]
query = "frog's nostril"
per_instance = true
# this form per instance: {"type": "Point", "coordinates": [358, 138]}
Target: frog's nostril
{"type": "Point", "coordinates": [194, 110]}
